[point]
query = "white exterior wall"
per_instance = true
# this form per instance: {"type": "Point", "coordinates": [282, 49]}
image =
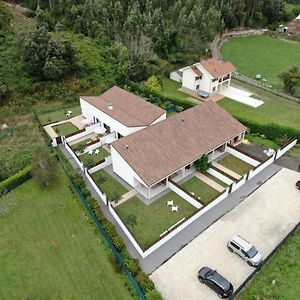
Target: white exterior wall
{"type": "Point", "coordinates": [121, 168]}
{"type": "Point", "coordinates": [175, 76]}
{"type": "Point", "coordinates": [188, 79]}
{"type": "Point", "coordinates": [89, 111]}
{"type": "Point", "coordinates": [220, 176]}
{"type": "Point", "coordinates": [161, 118]}
{"type": "Point", "coordinates": [242, 157]}
{"type": "Point", "coordinates": [280, 152]}
{"type": "Point", "coordinates": [206, 81]}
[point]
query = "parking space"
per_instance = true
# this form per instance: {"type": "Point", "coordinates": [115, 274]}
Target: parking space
{"type": "Point", "coordinates": [264, 219]}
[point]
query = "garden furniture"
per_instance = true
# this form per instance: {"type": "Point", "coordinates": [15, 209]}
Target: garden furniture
{"type": "Point", "coordinates": [90, 152]}
{"type": "Point", "coordinates": [170, 203]}
{"type": "Point", "coordinates": [175, 208]}
{"type": "Point", "coordinates": [97, 151]}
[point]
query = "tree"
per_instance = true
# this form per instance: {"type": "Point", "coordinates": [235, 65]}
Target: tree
{"type": "Point", "coordinates": [44, 166]}
{"type": "Point", "coordinates": [290, 79]}
{"type": "Point", "coordinates": [5, 16]}
{"type": "Point", "coordinates": [3, 91]}
{"type": "Point", "coordinates": [202, 164]}
{"type": "Point", "coordinates": [131, 220]}
{"type": "Point", "coordinates": [153, 84]}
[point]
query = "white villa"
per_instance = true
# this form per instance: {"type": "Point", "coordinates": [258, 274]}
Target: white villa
{"type": "Point", "coordinates": [120, 112]}
{"type": "Point", "coordinates": [208, 76]}
{"type": "Point", "coordinates": [168, 149]}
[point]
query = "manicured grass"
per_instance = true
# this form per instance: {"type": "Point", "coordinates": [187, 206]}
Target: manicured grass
{"type": "Point", "coordinates": [295, 151]}
{"type": "Point", "coordinates": [152, 220]}
{"type": "Point", "coordinates": [108, 184]}
{"type": "Point", "coordinates": [262, 55]}
{"type": "Point", "coordinates": [79, 145]}
{"type": "Point", "coordinates": [65, 128]}
{"type": "Point", "coordinates": [284, 268]}
{"type": "Point", "coordinates": [49, 250]}
{"type": "Point", "coordinates": [57, 112]}
{"type": "Point", "coordinates": [91, 160]}
{"type": "Point", "coordinates": [235, 164]}
{"type": "Point", "coordinates": [253, 139]}
{"type": "Point", "coordinates": [200, 189]}
{"type": "Point", "coordinates": [285, 113]}
{"type": "Point", "coordinates": [217, 180]}
{"type": "Point", "coordinates": [170, 89]}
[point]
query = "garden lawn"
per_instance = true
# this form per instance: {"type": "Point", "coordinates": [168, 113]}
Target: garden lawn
{"type": "Point", "coordinates": [170, 89]}
{"type": "Point", "coordinates": [90, 160]}
{"type": "Point", "coordinates": [235, 164]}
{"type": "Point", "coordinates": [108, 184]}
{"type": "Point", "coordinates": [200, 189]}
{"type": "Point", "coordinates": [152, 220]}
{"type": "Point", "coordinates": [49, 250]}
{"type": "Point", "coordinates": [80, 145]}
{"type": "Point", "coordinates": [284, 268]}
{"type": "Point", "coordinates": [262, 55]}
{"type": "Point", "coordinates": [253, 139]}
{"type": "Point", "coordinates": [282, 113]}
{"type": "Point", "coordinates": [65, 128]}
{"type": "Point", "coordinates": [56, 112]}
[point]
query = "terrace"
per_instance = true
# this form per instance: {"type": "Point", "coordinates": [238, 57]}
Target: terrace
{"type": "Point", "coordinates": [235, 164]}
{"type": "Point", "coordinates": [94, 158]}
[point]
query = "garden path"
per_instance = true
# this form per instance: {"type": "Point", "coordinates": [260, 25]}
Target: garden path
{"type": "Point", "coordinates": [210, 182]}
{"type": "Point", "coordinates": [226, 170]}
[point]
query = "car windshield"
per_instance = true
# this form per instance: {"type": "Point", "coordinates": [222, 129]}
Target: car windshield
{"type": "Point", "coordinates": [252, 252]}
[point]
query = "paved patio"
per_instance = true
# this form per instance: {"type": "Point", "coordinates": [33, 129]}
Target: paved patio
{"type": "Point", "coordinates": [210, 182]}
{"type": "Point", "coordinates": [226, 170]}
{"type": "Point", "coordinates": [214, 97]}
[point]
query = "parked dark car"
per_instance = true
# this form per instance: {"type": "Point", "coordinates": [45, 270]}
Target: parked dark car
{"type": "Point", "coordinates": [216, 282]}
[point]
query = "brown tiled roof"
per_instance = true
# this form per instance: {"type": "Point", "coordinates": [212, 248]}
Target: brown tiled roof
{"type": "Point", "coordinates": [196, 71]}
{"type": "Point", "coordinates": [159, 150]}
{"type": "Point", "coordinates": [128, 109]}
{"type": "Point", "coordinates": [216, 68]}
{"type": "Point", "coordinates": [179, 72]}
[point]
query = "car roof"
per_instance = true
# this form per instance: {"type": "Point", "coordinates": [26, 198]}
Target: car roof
{"type": "Point", "coordinates": [220, 280]}
{"type": "Point", "coordinates": [242, 242]}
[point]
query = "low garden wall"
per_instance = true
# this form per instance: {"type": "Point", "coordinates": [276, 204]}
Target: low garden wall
{"type": "Point", "coordinates": [220, 176]}
{"type": "Point", "coordinates": [74, 155]}
{"type": "Point", "coordinates": [237, 184]}
{"type": "Point", "coordinates": [286, 148]}
{"type": "Point", "coordinates": [91, 146]}
{"type": "Point", "coordinates": [107, 139]}
{"type": "Point", "coordinates": [242, 156]}
{"type": "Point", "coordinates": [183, 193]}
{"type": "Point", "coordinates": [106, 162]}
{"type": "Point", "coordinates": [76, 136]}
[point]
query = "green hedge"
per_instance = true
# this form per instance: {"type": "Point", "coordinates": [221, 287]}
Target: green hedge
{"type": "Point", "coordinates": [155, 97]}
{"type": "Point", "coordinates": [271, 131]}
{"type": "Point", "coordinates": [15, 180]}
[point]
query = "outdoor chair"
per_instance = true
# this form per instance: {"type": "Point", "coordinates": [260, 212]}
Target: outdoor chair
{"type": "Point", "coordinates": [170, 203]}
{"type": "Point", "coordinates": [90, 152]}
{"type": "Point", "coordinates": [97, 151]}
{"type": "Point", "coordinates": [175, 208]}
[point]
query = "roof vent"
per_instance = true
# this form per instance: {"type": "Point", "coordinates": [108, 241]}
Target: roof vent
{"type": "Point", "coordinates": [182, 122]}
{"type": "Point", "coordinates": [110, 106]}
{"type": "Point", "coordinates": [127, 148]}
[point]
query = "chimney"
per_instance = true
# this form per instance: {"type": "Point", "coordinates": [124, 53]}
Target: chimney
{"type": "Point", "coordinates": [110, 106]}
{"type": "Point", "coordinates": [127, 148]}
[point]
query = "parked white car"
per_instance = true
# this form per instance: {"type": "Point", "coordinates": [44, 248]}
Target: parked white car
{"type": "Point", "coordinates": [245, 250]}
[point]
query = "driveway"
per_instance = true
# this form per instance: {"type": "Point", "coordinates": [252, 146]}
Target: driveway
{"type": "Point", "coordinates": [264, 218]}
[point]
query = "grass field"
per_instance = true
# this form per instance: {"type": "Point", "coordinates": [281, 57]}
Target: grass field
{"type": "Point", "coordinates": [200, 189]}
{"type": "Point", "coordinates": [152, 220]}
{"type": "Point", "coordinates": [235, 164]}
{"type": "Point", "coordinates": [108, 184]}
{"type": "Point", "coordinates": [261, 141]}
{"type": "Point", "coordinates": [65, 128]}
{"type": "Point", "coordinates": [262, 55]}
{"type": "Point", "coordinates": [170, 89]}
{"type": "Point", "coordinates": [284, 268]}
{"type": "Point", "coordinates": [90, 160]}
{"type": "Point", "coordinates": [78, 146]}
{"type": "Point", "coordinates": [217, 180]}
{"type": "Point", "coordinates": [49, 250]}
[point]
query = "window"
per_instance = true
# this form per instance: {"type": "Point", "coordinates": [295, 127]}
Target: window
{"type": "Point", "coordinates": [244, 253]}
{"type": "Point", "coordinates": [197, 87]}
{"type": "Point", "coordinates": [234, 245]}
{"type": "Point", "coordinates": [215, 79]}
{"type": "Point", "coordinates": [198, 77]}
{"type": "Point", "coordinates": [214, 88]}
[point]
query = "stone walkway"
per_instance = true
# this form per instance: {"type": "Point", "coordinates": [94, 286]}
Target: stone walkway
{"type": "Point", "coordinates": [126, 197]}
{"type": "Point", "coordinates": [226, 170]}
{"type": "Point", "coordinates": [210, 182]}
{"type": "Point", "coordinates": [215, 97]}
{"type": "Point", "coordinates": [76, 121]}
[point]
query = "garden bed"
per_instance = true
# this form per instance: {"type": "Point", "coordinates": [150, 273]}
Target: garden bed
{"type": "Point", "coordinates": [81, 145]}
{"type": "Point", "coordinates": [147, 222]}
{"type": "Point", "coordinates": [90, 160]}
{"type": "Point", "coordinates": [65, 128]}
{"type": "Point", "coordinates": [200, 189]}
{"type": "Point", "coordinates": [235, 164]}
{"type": "Point", "coordinates": [109, 185]}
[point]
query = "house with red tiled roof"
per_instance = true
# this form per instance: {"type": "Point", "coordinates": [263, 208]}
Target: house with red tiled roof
{"type": "Point", "coordinates": [207, 77]}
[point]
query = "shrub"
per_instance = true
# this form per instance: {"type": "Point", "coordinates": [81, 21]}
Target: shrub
{"type": "Point", "coordinates": [153, 84]}
{"type": "Point", "coordinates": [110, 229]}
{"type": "Point", "coordinates": [99, 214]}
{"type": "Point", "coordinates": [114, 196]}
{"type": "Point", "coordinates": [15, 180]}
{"type": "Point", "coordinates": [118, 243]}
{"type": "Point", "coordinates": [92, 201]}
{"type": "Point", "coordinates": [145, 283]}
{"type": "Point", "coordinates": [203, 164]}
{"type": "Point", "coordinates": [132, 265]}
{"type": "Point", "coordinates": [85, 192]}
{"type": "Point", "coordinates": [154, 295]}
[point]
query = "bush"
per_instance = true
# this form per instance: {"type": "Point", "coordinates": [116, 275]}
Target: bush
{"type": "Point", "coordinates": [154, 295]}
{"type": "Point", "coordinates": [92, 202]}
{"type": "Point", "coordinates": [118, 243]}
{"type": "Point", "coordinates": [15, 180]}
{"type": "Point", "coordinates": [85, 192]}
{"type": "Point", "coordinates": [99, 214]}
{"type": "Point", "coordinates": [114, 196]}
{"type": "Point", "coordinates": [110, 229]}
{"type": "Point", "coordinates": [153, 84]}
{"type": "Point", "coordinates": [132, 264]}
{"type": "Point", "coordinates": [203, 164]}
{"type": "Point", "coordinates": [145, 283]}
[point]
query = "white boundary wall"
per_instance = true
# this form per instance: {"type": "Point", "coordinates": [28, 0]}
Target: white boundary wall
{"type": "Point", "coordinates": [77, 136]}
{"type": "Point", "coordinates": [238, 184]}
{"type": "Point", "coordinates": [244, 157]}
{"type": "Point", "coordinates": [280, 152]}
{"type": "Point", "coordinates": [220, 176]}
{"type": "Point", "coordinates": [92, 182]}
{"type": "Point", "coordinates": [71, 152]}
{"type": "Point", "coordinates": [254, 172]}
{"type": "Point", "coordinates": [183, 195]}
{"type": "Point", "coordinates": [107, 139]}
{"type": "Point", "coordinates": [107, 162]}
{"type": "Point", "coordinates": [91, 147]}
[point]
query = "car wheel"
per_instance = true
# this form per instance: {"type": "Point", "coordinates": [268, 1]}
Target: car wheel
{"type": "Point", "coordinates": [249, 263]}
{"type": "Point", "coordinates": [201, 280]}
{"type": "Point", "coordinates": [220, 296]}
{"type": "Point", "coordinates": [230, 249]}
